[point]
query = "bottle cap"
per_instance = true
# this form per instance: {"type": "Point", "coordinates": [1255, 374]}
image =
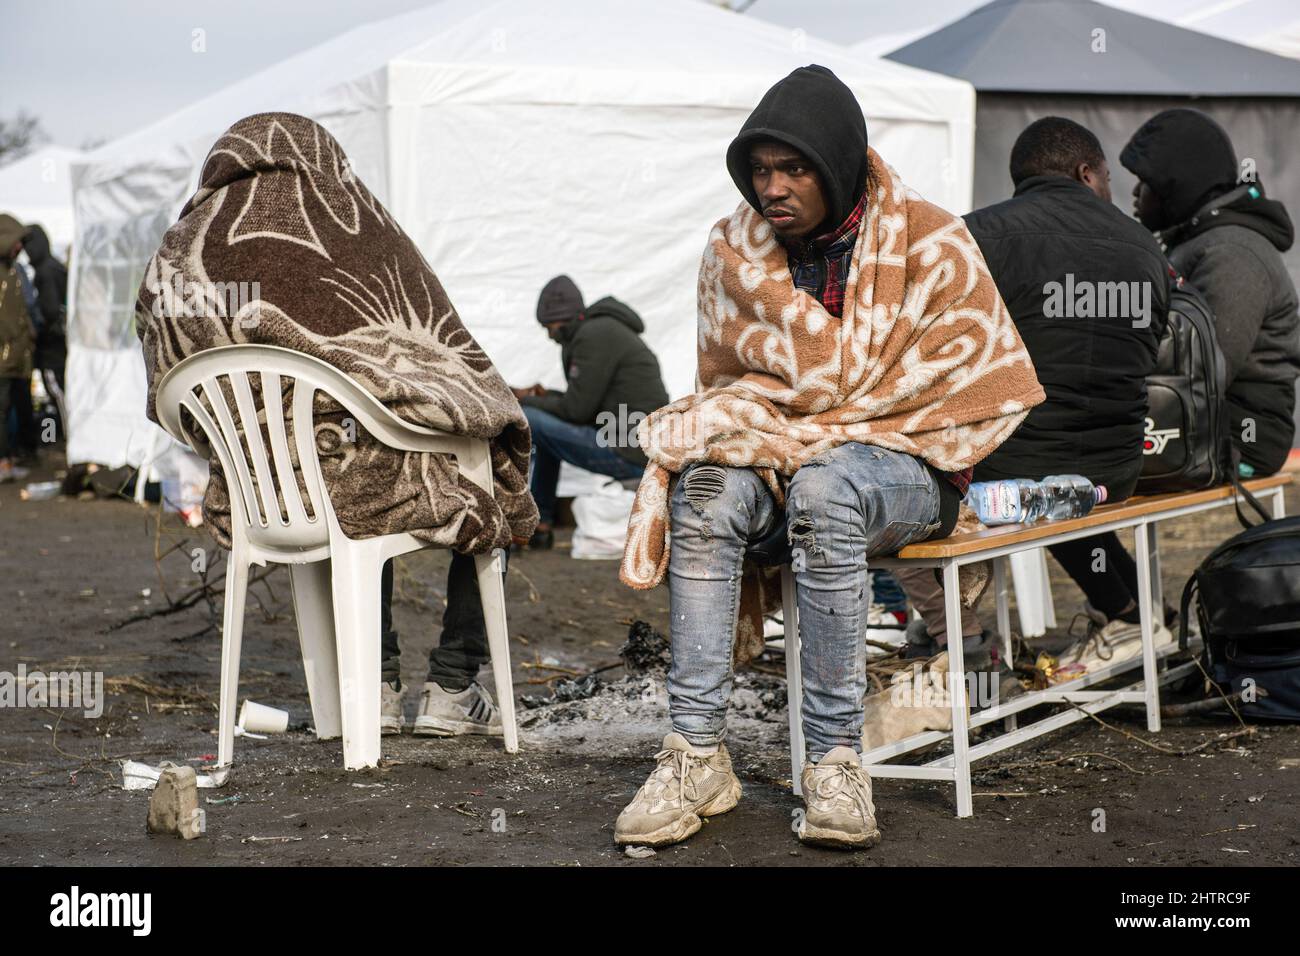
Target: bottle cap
{"type": "Point", "coordinates": [1101, 494]}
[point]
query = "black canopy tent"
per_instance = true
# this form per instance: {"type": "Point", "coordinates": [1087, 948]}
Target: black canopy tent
{"type": "Point", "coordinates": [1111, 70]}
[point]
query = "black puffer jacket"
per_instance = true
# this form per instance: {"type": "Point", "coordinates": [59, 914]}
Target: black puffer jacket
{"type": "Point", "coordinates": [606, 364]}
{"type": "Point", "coordinates": [1094, 368]}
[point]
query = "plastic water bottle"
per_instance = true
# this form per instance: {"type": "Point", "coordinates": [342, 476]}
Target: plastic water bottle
{"type": "Point", "coordinates": [1024, 501]}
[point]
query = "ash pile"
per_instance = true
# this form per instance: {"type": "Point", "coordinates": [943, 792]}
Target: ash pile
{"type": "Point", "coordinates": [625, 705]}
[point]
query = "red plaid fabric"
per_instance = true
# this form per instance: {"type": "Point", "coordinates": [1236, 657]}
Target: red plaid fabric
{"type": "Point", "coordinates": [820, 267]}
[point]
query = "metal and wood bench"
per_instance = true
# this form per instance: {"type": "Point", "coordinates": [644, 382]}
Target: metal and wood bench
{"type": "Point", "coordinates": [1143, 515]}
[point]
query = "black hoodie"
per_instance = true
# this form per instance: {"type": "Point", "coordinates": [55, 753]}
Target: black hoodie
{"type": "Point", "coordinates": [51, 282]}
{"type": "Point", "coordinates": [1229, 246]}
{"type": "Point", "coordinates": [813, 111]}
{"type": "Point", "coordinates": [606, 364]}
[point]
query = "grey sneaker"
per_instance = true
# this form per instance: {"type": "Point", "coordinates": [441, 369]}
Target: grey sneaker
{"type": "Point", "coordinates": [837, 794]}
{"type": "Point", "coordinates": [684, 787]}
{"type": "Point", "coordinates": [444, 714]}
{"type": "Point", "coordinates": [391, 720]}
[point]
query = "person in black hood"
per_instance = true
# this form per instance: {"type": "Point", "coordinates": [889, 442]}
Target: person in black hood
{"type": "Point", "coordinates": [613, 383]}
{"type": "Point", "coordinates": [51, 281]}
{"type": "Point", "coordinates": [801, 161]}
{"type": "Point", "coordinates": [1225, 237]}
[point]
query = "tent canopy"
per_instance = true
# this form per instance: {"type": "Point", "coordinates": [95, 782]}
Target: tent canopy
{"type": "Point", "coordinates": [37, 190]}
{"type": "Point", "coordinates": [513, 141]}
{"type": "Point", "coordinates": [1077, 46]}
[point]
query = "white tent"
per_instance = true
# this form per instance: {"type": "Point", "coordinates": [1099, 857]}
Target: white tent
{"type": "Point", "coordinates": [37, 190]}
{"type": "Point", "coordinates": [514, 140]}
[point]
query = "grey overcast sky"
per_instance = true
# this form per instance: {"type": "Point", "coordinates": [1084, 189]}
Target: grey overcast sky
{"type": "Point", "coordinates": [97, 69]}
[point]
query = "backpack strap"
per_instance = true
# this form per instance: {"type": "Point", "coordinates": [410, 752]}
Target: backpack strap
{"type": "Point", "coordinates": [1183, 608]}
{"type": "Point", "coordinates": [1234, 462]}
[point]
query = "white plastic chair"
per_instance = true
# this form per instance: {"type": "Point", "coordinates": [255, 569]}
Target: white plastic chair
{"type": "Point", "coordinates": [336, 579]}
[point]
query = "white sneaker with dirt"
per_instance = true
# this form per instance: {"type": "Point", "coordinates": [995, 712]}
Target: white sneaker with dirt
{"type": "Point", "coordinates": [391, 720]}
{"type": "Point", "coordinates": [444, 714]}
{"type": "Point", "coordinates": [837, 798]}
{"type": "Point", "coordinates": [685, 786]}
{"type": "Point", "coordinates": [1116, 641]}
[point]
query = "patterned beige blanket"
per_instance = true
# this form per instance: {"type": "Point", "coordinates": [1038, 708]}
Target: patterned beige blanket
{"type": "Point", "coordinates": [283, 245]}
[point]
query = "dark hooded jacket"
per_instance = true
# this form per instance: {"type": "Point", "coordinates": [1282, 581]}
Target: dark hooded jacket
{"type": "Point", "coordinates": [51, 281]}
{"type": "Point", "coordinates": [606, 365]}
{"type": "Point", "coordinates": [1227, 240]}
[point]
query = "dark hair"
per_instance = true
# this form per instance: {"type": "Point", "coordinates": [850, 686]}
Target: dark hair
{"type": "Point", "coordinates": [1053, 146]}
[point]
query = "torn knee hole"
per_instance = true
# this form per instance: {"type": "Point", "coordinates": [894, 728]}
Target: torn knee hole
{"type": "Point", "coordinates": [803, 534]}
{"type": "Point", "coordinates": [703, 483]}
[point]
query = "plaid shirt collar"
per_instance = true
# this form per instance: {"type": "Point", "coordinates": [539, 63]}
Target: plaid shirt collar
{"type": "Point", "coordinates": [820, 266]}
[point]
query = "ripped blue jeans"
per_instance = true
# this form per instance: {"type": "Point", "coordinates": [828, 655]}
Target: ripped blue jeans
{"type": "Point", "coordinates": [843, 507]}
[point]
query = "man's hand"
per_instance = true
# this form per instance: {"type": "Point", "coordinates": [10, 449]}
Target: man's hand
{"type": "Point", "coordinates": [530, 390]}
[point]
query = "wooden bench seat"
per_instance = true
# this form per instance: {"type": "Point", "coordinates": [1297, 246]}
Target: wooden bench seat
{"type": "Point", "coordinates": [1136, 507]}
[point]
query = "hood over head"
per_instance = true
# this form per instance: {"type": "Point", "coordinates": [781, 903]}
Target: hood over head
{"type": "Point", "coordinates": [813, 111]}
{"type": "Point", "coordinates": [36, 244]}
{"type": "Point", "coordinates": [1185, 157]}
{"type": "Point", "coordinates": [11, 231]}
{"type": "Point", "coordinates": [610, 307]}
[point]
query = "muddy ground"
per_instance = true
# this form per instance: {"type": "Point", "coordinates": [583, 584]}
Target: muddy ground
{"type": "Point", "coordinates": [71, 570]}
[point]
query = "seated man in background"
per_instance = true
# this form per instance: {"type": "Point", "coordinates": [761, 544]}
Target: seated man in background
{"type": "Point", "coordinates": [325, 270]}
{"type": "Point", "coordinates": [613, 382]}
{"type": "Point", "coordinates": [1226, 238]}
{"type": "Point", "coordinates": [830, 413]}
{"type": "Point", "coordinates": [1060, 235]}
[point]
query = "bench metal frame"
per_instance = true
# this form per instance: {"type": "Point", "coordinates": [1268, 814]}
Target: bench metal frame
{"type": "Point", "coordinates": [955, 767]}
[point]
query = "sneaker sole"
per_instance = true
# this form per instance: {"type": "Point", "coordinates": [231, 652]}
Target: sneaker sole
{"type": "Point", "coordinates": [389, 728]}
{"type": "Point", "coordinates": [837, 839]}
{"type": "Point", "coordinates": [686, 826]}
{"type": "Point", "coordinates": [432, 727]}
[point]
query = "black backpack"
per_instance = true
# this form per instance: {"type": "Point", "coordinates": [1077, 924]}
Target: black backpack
{"type": "Point", "coordinates": [1248, 606]}
{"type": "Point", "coordinates": [1186, 443]}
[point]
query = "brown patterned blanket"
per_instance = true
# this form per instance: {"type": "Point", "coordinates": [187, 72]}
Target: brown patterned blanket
{"type": "Point", "coordinates": [283, 245]}
{"type": "Point", "coordinates": [925, 360]}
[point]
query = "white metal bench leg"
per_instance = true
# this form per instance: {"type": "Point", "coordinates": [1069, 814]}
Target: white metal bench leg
{"type": "Point", "coordinates": [1279, 502]}
{"type": "Point", "coordinates": [492, 595]}
{"type": "Point", "coordinates": [957, 689]}
{"type": "Point", "coordinates": [232, 635]}
{"type": "Point", "coordinates": [793, 676]}
{"type": "Point", "coordinates": [358, 568]}
{"type": "Point", "coordinates": [1004, 623]}
{"type": "Point", "coordinates": [313, 608]}
{"type": "Point", "coordinates": [1146, 616]}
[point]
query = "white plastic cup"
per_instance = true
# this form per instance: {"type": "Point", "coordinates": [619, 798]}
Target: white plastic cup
{"type": "Point", "coordinates": [260, 719]}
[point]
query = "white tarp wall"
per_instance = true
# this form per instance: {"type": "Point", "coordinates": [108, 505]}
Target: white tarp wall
{"type": "Point", "coordinates": [513, 141]}
{"type": "Point", "coordinates": [37, 190]}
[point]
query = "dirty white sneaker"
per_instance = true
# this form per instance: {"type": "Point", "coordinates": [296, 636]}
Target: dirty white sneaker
{"type": "Point", "coordinates": [391, 720]}
{"type": "Point", "coordinates": [837, 796]}
{"type": "Point", "coordinates": [444, 714]}
{"type": "Point", "coordinates": [685, 786]}
{"type": "Point", "coordinates": [1116, 641]}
